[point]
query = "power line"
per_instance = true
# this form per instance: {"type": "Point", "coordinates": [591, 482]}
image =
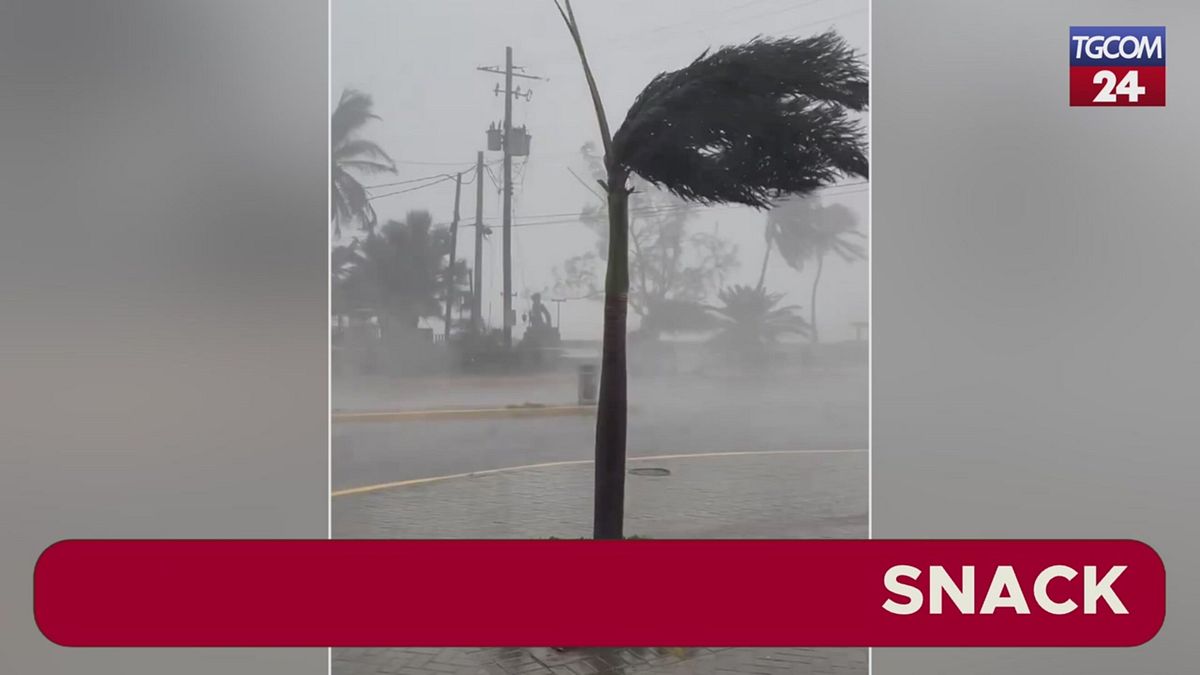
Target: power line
{"type": "Point", "coordinates": [665, 46]}
{"type": "Point", "coordinates": [491, 223]}
{"type": "Point", "coordinates": [573, 217]}
{"type": "Point", "coordinates": [587, 187]}
{"type": "Point", "coordinates": [692, 205]}
{"type": "Point", "coordinates": [442, 178]}
{"type": "Point", "coordinates": [646, 210]}
{"type": "Point", "coordinates": [685, 29]}
{"type": "Point", "coordinates": [412, 189]}
{"type": "Point", "coordinates": [415, 163]}
{"type": "Point", "coordinates": [409, 181]}
{"type": "Point", "coordinates": [763, 15]}
{"type": "Point", "coordinates": [820, 21]}
{"type": "Point", "coordinates": [495, 180]}
{"type": "Point", "coordinates": [439, 179]}
{"type": "Point", "coordinates": [523, 169]}
{"type": "Point", "coordinates": [704, 21]}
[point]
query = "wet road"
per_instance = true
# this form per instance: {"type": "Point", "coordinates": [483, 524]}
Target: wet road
{"type": "Point", "coordinates": [686, 414]}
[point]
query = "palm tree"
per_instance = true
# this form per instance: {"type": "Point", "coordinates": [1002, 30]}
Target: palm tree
{"type": "Point", "coordinates": [343, 261]}
{"type": "Point", "coordinates": [401, 271]}
{"type": "Point", "coordinates": [749, 322]}
{"type": "Point", "coordinates": [804, 230]}
{"type": "Point", "coordinates": [350, 155]}
{"type": "Point", "coordinates": [745, 125]}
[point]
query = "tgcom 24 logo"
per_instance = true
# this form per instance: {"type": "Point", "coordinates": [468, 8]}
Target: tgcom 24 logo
{"type": "Point", "coordinates": [1118, 65]}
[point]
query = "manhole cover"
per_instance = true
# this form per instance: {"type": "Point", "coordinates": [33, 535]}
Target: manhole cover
{"type": "Point", "coordinates": [649, 471]}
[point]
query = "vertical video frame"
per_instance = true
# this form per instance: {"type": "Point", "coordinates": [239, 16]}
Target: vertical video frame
{"type": "Point", "coordinates": [599, 270]}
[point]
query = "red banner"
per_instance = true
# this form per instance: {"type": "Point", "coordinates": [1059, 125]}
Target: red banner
{"type": "Point", "coordinates": [593, 593]}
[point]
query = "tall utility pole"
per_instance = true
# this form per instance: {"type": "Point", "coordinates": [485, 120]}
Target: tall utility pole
{"type": "Point", "coordinates": [507, 147]}
{"type": "Point", "coordinates": [508, 78]}
{"type": "Point", "coordinates": [477, 280]}
{"type": "Point", "coordinates": [453, 252]}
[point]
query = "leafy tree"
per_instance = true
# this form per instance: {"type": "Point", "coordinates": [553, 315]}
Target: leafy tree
{"type": "Point", "coordinates": [343, 261]}
{"type": "Point", "coordinates": [352, 156]}
{"type": "Point", "coordinates": [745, 124]}
{"type": "Point", "coordinates": [400, 272]}
{"type": "Point", "coordinates": [749, 321]}
{"type": "Point", "coordinates": [672, 269]}
{"type": "Point", "coordinates": [806, 231]}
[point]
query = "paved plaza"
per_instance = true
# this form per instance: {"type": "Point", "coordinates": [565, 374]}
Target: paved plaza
{"type": "Point", "coordinates": [776, 494]}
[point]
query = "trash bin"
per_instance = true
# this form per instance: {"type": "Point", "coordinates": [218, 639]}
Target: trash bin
{"type": "Point", "coordinates": [587, 384]}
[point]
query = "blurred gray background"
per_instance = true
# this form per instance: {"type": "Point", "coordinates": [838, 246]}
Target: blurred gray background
{"type": "Point", "coordinates": [1034, 278]}
{"type": "Point", "coordinates": [163, 178]}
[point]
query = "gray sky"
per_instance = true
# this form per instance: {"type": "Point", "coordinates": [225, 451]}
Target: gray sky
{"type": "Point", "coordinates": [418, 60]}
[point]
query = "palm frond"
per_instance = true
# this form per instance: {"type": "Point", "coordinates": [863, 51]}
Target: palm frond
{"type": "Point", "coordinates": [350, 201]}
{"type": "Point", "coordinates": [361, 149]}
{"type": "Point", "coordinates": [353, 110]}
{"type": "Point", "coordinates": [804, 229]}
{"type": "Point", "coordinates": [366, 166]}
{"type": "Point", "coordinates": [749, 123]}
{"type": "Point", "coordinates": [349, 198]}
{"type": "Point", "coordinates": [749, 317]}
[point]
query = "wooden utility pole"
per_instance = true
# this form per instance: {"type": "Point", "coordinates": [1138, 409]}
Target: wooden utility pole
{"type": "Point", "coordinates": [507, 147]}
{"type": "Point", "coordinates": [453, 253]}
{"type": "Point", "coordinates": [508, 77]}
{"type": "Point", "coordinates": [477, 281]}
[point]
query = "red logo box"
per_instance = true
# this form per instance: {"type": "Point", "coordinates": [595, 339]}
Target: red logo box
{"type": "Point", "coordinates": [1118, 65]}
{"type": "Point", "coordinates": [1119, 86]}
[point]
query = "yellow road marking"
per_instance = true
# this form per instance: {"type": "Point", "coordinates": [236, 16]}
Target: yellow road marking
{"type": "Point", "coordinates": [571, 462]}
{"type": "Point", "coordinates": [465, 413]}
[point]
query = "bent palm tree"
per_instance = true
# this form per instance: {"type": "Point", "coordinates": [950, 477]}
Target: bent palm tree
{"type": "Point", "coordinates": [745, 125]}
{"type": "Point", "coordinates": [349, 155]}
{"type": "Point", "coordinates": [804, 230]}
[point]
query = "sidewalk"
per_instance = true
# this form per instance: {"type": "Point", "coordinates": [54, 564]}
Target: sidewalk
{"type": "Point", "coordinates": [782, 495]}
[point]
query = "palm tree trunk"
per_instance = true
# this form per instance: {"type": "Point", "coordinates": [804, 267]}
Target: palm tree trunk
{"type": "Point", "coordinates": [812, 307]}
{"type": "Point", "coordinates": [609, 506]}
{"type": "Point", "coordinates": [762, 276]}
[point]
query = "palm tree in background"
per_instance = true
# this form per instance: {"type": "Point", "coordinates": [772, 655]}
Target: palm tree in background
{"type": "Point", "coordinates": [343, 262]}
{"type": "Point", "coordinates": [746, 125]}
{"type": "Point", "coordinates": [806, 231]}
{"type": "Point", "coordinates": [749, 321]}
{"type": "Point", "coordinates": [351, 156]}
{"type": "Point", "coordinates": [673, 268]}
{"type": "Point", "coordinates": [399, 272]}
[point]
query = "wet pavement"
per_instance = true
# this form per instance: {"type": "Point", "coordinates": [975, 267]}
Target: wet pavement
{"type": "Point", "coordinates": [798, 494]}
{"type": "Point", "coordinates": [370, 393]}
{"type": "Point", "coordinates": [669, 415]}
{"type": "Point", "coordinates": [784, 495]}
{"type": "Point", "coordinates": [542, 661]}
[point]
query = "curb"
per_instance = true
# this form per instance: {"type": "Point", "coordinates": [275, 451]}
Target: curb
{"type": "Point", "coordinates": [464, 413]}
